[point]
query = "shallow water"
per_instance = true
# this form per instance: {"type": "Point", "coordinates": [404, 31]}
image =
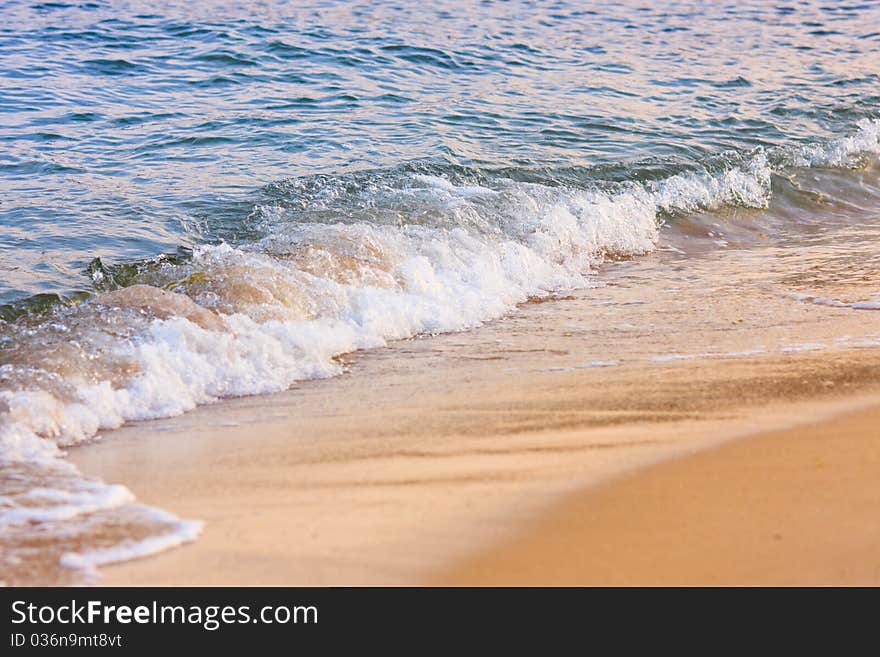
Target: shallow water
{"type": "Point", "coordinates": [199, 202]}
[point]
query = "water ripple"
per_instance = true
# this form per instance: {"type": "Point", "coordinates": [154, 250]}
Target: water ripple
{"type": "Point", "coordinates": [107, 106]}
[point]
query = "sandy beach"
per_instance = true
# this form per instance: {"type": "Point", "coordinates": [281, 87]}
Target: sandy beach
{"type": "Point", "coordinates": [411, 482]}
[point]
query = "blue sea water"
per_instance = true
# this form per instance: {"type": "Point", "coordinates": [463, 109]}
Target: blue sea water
{"type": "Point", "coordinates": [206, 199]}
{"type": "Point", "coordinates": [130, 128]}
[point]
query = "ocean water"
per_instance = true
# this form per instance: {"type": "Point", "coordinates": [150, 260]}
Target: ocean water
{"type": "Point", "coordinates": [203, 200]}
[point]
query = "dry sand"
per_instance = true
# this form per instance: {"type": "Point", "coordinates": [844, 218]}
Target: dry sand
{"type": "Point", "coordinates": [792, 507]}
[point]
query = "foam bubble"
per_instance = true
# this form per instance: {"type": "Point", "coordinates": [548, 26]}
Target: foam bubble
{"type": "Point", "coordinates": [872, 304]}
{"type": "Point", "coordinates": [841, 152]}
{"type": "Point", "coordinates": [86, 562]}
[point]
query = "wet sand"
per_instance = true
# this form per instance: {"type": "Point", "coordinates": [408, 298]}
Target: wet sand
{"type": "Point", "coordinates": [384, 486]}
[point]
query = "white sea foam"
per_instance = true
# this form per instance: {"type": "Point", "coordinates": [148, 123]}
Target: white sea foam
{"type": "Point", "coordinates": [871, 304]}
{"type": "Point", "coordinates": [585, 366]}
{"type": "Point", "coordinates": [748, 186]}
{"type": "Point", "coordinates": [803, 346]}
{"type": "Point", "coordinates": [869, 341]}
{"type": "Point", "coordinates": [87, 562]}
{"type": "Point", "coordinates": [413, 279]}
{"type": "Point", "coordinates": [838, 152]}
{"type": "Point", "coordinates": [51, 504]}
{"type": "Point", "coordinates": [668, 358]}
{"type": "Point", "coordinates": [417, 280]}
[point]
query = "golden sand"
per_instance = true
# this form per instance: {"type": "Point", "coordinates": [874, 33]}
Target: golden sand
{"type": "Point", "coordinates": [391, 485]}
{"type": "Point", "coordinates": [782, 508]}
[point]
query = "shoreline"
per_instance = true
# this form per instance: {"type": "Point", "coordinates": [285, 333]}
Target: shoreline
{"type": "Point", "coordinates": [432, 450]}
{"type": "Point", "coordinates": [378, 485]}
{"type": "Point", "coordinates": [790, 507]}
{"type": "Point", "coordinates": [368, 295]}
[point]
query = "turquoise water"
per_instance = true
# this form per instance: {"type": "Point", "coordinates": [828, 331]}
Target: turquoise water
{"type": "Point", "coordinates": [201, 200]}
{"type": "Point", "coordinates": [130, 129]}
